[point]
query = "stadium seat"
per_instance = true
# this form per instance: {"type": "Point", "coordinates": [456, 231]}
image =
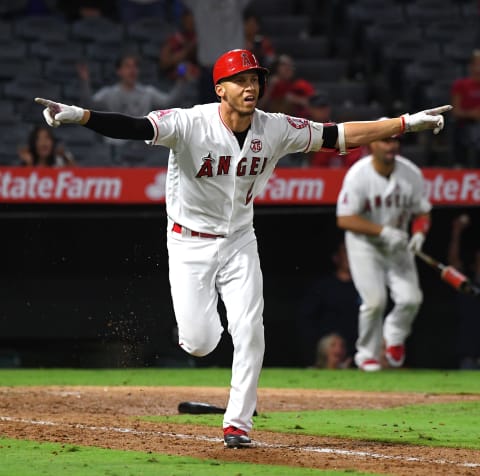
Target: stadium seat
{"type": "Point", "coordinates": [321, 69]}
{"type": "Point", "coordinates": [41, 28]}
{"type": "Point", "coordinates": [91, 155]}
{"type": "Point", "coordinates": [149, 29]}
{"type": "Point", "coordinates": [110, 52]}
{"type": "Point", "coordinates": [57, 50]}
{"type": "Point", "coordinates": [97, 29]}
{"type": "Point", "coordinates": [139, 154]}
{"type": "Point", "coordinates": [274, 7]}
{"type": "Point", "coordinates": [358, 112]}
{"type": "Point", "coordinates": [62, 71]}
{"type": "Point", "coordinates": [26, 88]}
{"type": "Point", "coordinates": [5, 31]}
{"type": "Point", "coordinates": [73, 135]}
{"type": "Point", "coordinates": [297, 47]}
{"type": "Point", "coordinates": [425, 15]}
{"type": "Point", "coordinates": [286, 24]}
{"type": "Point", "coordinates": [341, 93]}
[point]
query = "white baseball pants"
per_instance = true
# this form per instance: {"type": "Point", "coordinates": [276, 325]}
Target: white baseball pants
{"type": "Point", "coordinates": [201, 270]}
{"type": "Point", "coordinates": [373, 271]}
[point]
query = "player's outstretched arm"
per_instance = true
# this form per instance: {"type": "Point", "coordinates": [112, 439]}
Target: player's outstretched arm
{"type": "Point", "coordinates": [118, 126]}
{"type": "Point", "coordinates": [360, 133]}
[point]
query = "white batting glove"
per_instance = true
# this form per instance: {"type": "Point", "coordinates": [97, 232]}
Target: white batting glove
{"type": "Point", "coordinates": [416, 242]}
{"type": "Point", "coordinates": [56, 113]}
{"type": "Point", "coordinates": [428, 119]}
{"type": "Point", "coordinates": [393, 238]}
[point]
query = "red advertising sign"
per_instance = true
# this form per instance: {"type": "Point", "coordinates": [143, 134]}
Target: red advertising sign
{"type": "Point", "coordinates": [315, 186]}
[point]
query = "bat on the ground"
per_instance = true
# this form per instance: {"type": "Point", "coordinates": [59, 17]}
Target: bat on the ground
{"type": "Point", "coordinates": [451, 275]}
{"type": "Point", "coordinates": [200, 408]}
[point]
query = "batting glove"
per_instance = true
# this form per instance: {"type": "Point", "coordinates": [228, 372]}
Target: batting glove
{"type": "Point", "coordinates": [416, 242]}
{"type": "Point", "coordinates": [56, 113]}
{"type": "Point", "coordinates": [393, 238]}
{"type": "Point", "coordinates": [428, 119]}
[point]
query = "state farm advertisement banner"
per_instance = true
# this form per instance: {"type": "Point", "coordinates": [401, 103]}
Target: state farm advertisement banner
{"type": "Point", "coordinates": [314, 186]}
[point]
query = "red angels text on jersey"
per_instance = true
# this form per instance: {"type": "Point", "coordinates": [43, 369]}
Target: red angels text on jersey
{"type": "Point", "coordinates": [212, 167]}
{"type": "Point", "coordinates": [397, 200]}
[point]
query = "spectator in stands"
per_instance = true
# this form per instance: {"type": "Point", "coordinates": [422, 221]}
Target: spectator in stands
{"type": "Point", "coordinates": [467, 308]}
{"type": "Point", "coordinates": [219, 27]}
{"type": "Point", "coordinates": [465, 94]}
{"type": "Point", "coordinates": [179, 52]}
{"type": "Point", "coordinates": [284, 91]}
{"type": "Point", "coordinates": [131, 10]}
{"type": "Point", "coordinates": [320, 110]}
{"type": "Point", "coordinates": [128, 96]}
{"type": "Point", "coordinates": [43, 150]}
{"type": "Point", "coordinates": [259, 44]}
{"type": "Point", "coordinates": [332, 353]}
{"type": "Point", "coordinates": [330, 305]}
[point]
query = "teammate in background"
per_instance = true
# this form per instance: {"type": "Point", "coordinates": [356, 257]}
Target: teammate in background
{"type": "Point", "coordinates": [222, 155]}
{"type": "Point", "coordinates": [43, 150]}
{"type": "Point", "coordinates": [380, 195]}
{"type": "Point", "coordinates": [467, 307]}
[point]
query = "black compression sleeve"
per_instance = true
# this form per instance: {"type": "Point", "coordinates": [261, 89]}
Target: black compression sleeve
{"type": "Point", "coordinates": [120, 126]}
{"type": "Point", "coordinates": [330, 136]}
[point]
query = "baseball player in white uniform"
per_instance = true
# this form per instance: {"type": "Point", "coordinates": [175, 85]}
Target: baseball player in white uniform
{"type": "Point", "coordinates": [222, 155]}
{"type": "Point", "coordinates": [379, 196]}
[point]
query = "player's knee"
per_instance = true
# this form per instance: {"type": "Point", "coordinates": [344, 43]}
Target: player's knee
{"type": "Point", "coordinates": [375, 305]}
{"type": "Point", "coordinates": [199, 347]}
{"type": "Point", "coordinates": [413, 301]}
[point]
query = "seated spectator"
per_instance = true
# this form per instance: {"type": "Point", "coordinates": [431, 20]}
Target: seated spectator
{"type": "Point", "coordinates": [260, 45]}
{"type": "Point", "coordinates": [320, 110]}
{"type": "Point", "coordinates": [330, 305]}
{"type": "Point", "coordinates": [43, 150]}
{"type": "Point", "coordinates": [465, 94]}
{"type": "Point", "coordinates": [467, 307]}
{"type": "Point", "coordinates": [179, 52]}
{"type": "Point", "coordinates": [332, 353]}
{"type": "Point", "coordinates": [284, 91]}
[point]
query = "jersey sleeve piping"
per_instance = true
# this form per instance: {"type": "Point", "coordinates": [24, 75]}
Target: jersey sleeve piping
{"type": "Point", "coordinates": [309, 138]}
{"type": "Point", "coordinates": [155, 127]}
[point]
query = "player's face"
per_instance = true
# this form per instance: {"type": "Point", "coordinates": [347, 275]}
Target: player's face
{"type": "Point", "coordinates": [240, 92]}
{"type": "Point", "coordinates": [128, 71]}
{"type": "Point", "coordinates": [385, 150]}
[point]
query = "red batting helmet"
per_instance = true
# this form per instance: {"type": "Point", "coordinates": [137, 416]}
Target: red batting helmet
{"type": "Point", "coordinates": [237, 61]}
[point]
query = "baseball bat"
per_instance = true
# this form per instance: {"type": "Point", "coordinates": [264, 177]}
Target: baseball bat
{"type": "Point", "coordinates": [451, 275]}
{"type": "Point", "coordinates": [201, 408]}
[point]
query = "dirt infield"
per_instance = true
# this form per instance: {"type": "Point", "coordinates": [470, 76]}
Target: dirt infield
{"type": "Point", "coordinates": [105, 417]}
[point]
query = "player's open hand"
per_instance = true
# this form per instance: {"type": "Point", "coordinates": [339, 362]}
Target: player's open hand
{"type": "Point", "coordinates": [428, 119]}
{"type": "Point", "coordinates": [56, 113]}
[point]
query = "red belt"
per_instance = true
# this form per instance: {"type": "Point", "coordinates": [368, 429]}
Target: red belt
{"type": "Point", "coordinates": [178, 229]}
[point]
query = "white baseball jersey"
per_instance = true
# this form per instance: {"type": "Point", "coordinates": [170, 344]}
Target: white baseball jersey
{"type": "Point", "coordinates": [211, 182]}
{"type": "Point", "coordinates": [386, 201]}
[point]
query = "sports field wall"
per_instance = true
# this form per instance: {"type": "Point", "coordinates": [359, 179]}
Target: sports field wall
{"type": "Point", "coordinates": [88, 286]}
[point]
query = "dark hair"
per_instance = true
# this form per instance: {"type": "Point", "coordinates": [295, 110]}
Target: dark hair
{"type": "Point", "coordinates": [32, 144]}
{"type": "Point", "coordinates": [129, 54]}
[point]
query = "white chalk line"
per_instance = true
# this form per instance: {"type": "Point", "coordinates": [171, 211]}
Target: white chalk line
{"type": "Point", "coordinates": [307, 449]}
